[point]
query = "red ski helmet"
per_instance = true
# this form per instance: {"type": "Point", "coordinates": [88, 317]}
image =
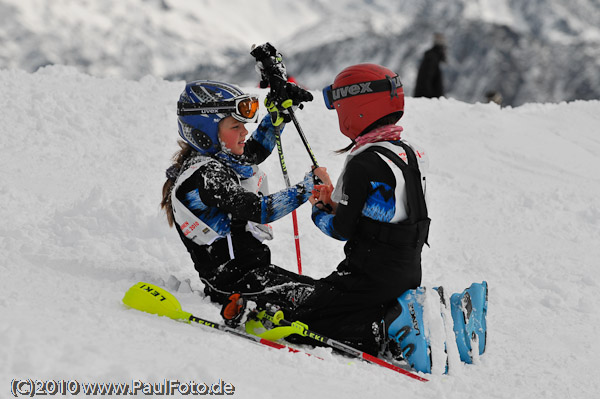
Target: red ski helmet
{"type": "Point", "coordinates": [361, 94]}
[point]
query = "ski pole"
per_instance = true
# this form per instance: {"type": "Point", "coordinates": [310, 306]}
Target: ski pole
{"type": "Point", "coordinates": [288, 184]}
{"type": "Point", "coordinates": [303, 330]}
{"type": "Point", "coordinates": [303, 137]}
{"type": "Point", "coordinates": [149, 298]}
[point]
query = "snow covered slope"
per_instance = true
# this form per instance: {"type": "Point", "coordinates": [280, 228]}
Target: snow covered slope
{"type": "Point", "coordinates": [514, 200]}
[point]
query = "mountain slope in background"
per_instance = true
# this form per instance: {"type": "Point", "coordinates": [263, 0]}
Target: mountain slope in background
{"type": "Point", "coordinates": [529, 51]}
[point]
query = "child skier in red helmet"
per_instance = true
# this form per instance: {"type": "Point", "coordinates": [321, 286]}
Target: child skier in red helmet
{"type": "Point", "coordinates": [378, 207]}
{"type": "Point", "coordinates": [373, 301]}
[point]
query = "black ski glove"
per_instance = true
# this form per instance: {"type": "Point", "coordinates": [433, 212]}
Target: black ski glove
{"type": "Point", "coordinates": [279, 106]}
{"type": "Point", "coordinates": [297, 94]}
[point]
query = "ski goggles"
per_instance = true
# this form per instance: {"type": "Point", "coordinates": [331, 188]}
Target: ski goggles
{"type": "Point", "coordinates": [390, 84]}
{"type": "Point", "coordinates": [243, 108]}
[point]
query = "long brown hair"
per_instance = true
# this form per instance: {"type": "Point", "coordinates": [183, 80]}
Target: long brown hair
{"type": "Point", "coordinates": [178, 159]}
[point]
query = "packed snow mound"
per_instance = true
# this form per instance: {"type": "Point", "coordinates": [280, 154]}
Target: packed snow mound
{"type": "Point", "coordinates": [513, 199]}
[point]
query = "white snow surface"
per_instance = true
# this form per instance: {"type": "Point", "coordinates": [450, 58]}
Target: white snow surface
{"type": "Point", "coordinates": [513, 198]}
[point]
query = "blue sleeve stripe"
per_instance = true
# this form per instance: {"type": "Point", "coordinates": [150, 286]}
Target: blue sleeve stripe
{"type": "Point", "coordinates": [277, 205]}
{"type": "Point", "coordinates": [324, 221]}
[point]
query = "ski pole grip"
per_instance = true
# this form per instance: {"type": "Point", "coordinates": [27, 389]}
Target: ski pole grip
{"type": "Point", "coordinates": [272, 68]}
{"type": "Point", "coordinates": [263, 51]}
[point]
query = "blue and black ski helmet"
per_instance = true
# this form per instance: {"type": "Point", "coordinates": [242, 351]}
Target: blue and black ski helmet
{"type": "Point", "coordinates": [202, 105]}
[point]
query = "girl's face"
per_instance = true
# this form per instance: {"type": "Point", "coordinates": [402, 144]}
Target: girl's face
{"type": "Point", "coordinates": [232, 134]}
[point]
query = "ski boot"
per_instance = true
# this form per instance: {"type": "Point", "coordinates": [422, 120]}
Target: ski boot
{"type": "Point", "coordinates": [406, 332]}
{"type": "Point", "coordinates": [469, 310]}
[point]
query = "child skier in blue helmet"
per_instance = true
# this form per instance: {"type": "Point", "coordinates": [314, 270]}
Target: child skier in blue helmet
{"type": "Point", "coordinates": [218, 199]}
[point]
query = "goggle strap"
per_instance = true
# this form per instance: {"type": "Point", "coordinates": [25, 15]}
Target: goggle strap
{"type": "Point", "coordinates": [215, 107]}
{"type": "Point", "coordinates": [204, 108]}
{"type": "Point", "coordinates": [390, 84]}
{"type": "Point", "coordinates": [203, 111]}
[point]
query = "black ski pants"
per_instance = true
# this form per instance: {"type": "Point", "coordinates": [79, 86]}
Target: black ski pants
{"type": "Point", "coordinates": [349, 305]}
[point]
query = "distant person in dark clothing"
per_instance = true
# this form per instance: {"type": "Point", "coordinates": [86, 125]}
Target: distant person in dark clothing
{"type": "Point", "coordinates": [493, 96]}
{"type": "Point", "coordinates": [430, 82]}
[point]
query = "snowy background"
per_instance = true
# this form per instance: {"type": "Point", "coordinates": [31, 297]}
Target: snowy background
{"type": "Point", "coordinates": [528, 50]}
{"type": "Point", "coordinates": [513, 191]}
{"type": "Point", "coordinates": [513, 197]}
